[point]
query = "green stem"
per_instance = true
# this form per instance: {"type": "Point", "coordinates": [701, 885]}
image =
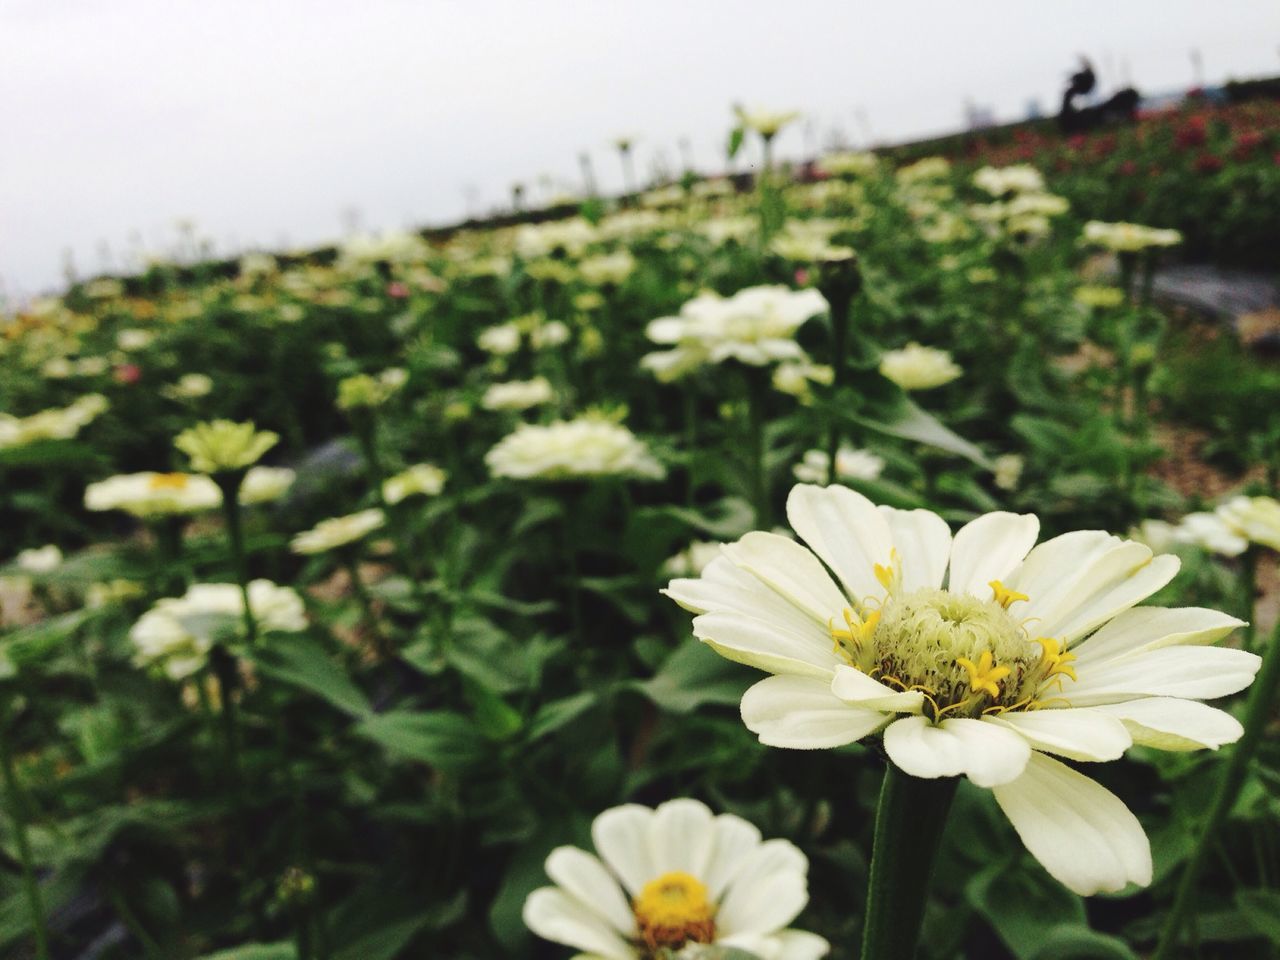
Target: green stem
{"type": "Point", "coordinates": [17, 812]}
{"type": "Point", "coordinates": [1262, 698]}
{"type": "Point", "coordinates": [224, 670]}
{"type": "Point", "coordinates": [234, 521]}
{"type": "Point", "coordinates": [361, 592]}
{"type": "Point", "coordinates": [755, 440]}
{"type": "Point", "coordinates": [909, 825]}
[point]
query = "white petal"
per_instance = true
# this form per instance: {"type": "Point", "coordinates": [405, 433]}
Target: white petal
{"type": "Point", "coordinates": [1089, 611]}
{"type": "Point", "coordinates": [1078, 734]}
{"type": "Point", "coordinates": [802, 713]}
{"type": "Point", "coordinates": [791, 570]}
{"type": "Point", "coordinates": [853, 686]}
{"type": "Point", "coordinates": [846, 530]}
{"type": "Point", "coordinates": [585, 878]}
{"type": "Point", "coordinates": [1167, 723]}
{"type": "Point", "coordinates": [986, 753]}
{"type": "Point", "coordinates": [1079, 831]}
{"type": "Point", "coordinates": [923, 541]}
{"type": "Point", "coordinates": [681, 837]}
{"type": "Point", "coordinates": [554, 915]}
{"type": "Point", "coordinates": [1149, 628]}
{"type": "Point", "coordinates": [621, 837]}
{"type": "Point", "coordinates": [726, 588]}
{"type": "Point", "coordinates": [768, 892]}
{"type": "Point", "coordinates": [1194, 673]}
{"type": "Point", "coordinates": [768, 646]}
{"type": "Point", "coordinates": [735, 839]}
{"type": "Point", "coordinates": [799, 945]}
{"type": "Point", "coordinates": [989, 548]}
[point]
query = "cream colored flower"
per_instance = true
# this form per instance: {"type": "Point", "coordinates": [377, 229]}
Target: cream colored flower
{"type": "Point", "coordinates": [550, 333]}
{"type": "Point", "coordinates": [1129, 237]}
{"type": "Point", "coordinates": [44, 559]}
{"type": "Point", "coordinates": [501, 341]}
{"type": "Point", "coordinates": [178, 632]}
{"type": "Point", "coordinates": [221, 446]}
{"type": "Point", "coordinates": [666, 878]}
{"type": "Point", "coordinates": [849, 164]}
{"type": "Point", "coordinates": [795, 377]}
{"type": "Point", "coordinates": [338, 532]}
{"type": "Point", "coordinates": [152, 494]}
{"type": "Point", "coordinates": [265, 484]}
{"type": "Point", "coordinates": [767, 123]}
{"type": "Point", "coordinates": [611, 268]}
{"type": "Point", "coordinates": [976, 655]}
{"type": "Point", "coordinates": [190, 386]}
{"type": "Point", "coordinates": [62, 423]}
{"type": "Point", "coordinates": [756, 326]}
{"type": "Point", "coordinates": [1210, 531]}
{"type": "Point", "coordinates": [586, 447]}
{"type": "Point", "coordinates": [1008, 470]}
{"type": "Point", "coordinates": [919, 368]}
{"type": "Point", "coordinates": [362, 391]}
{"type": "Point", "coordinates": [851, 464]}
{"type": "Point", "coordinates": [998, 181]}
{"type": "Point", "coordinates": [518, 394]}
{"type": "Point", "coordinates": [422, 479]}
{"type": "Point", "coordinates": [1255, 518]}
{"type": "Point", "coordinates": [693, 559]}
{"type": "Point", "coordinates": [133, 339]}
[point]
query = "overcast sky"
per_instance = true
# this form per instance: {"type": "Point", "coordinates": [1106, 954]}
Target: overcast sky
{"type": "Point", "coordinates": [267, 121]}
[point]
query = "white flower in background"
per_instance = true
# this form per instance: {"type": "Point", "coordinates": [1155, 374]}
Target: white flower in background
{"type": "Point", "coordinates": [338, 532]}
{"type": "Point", "coordinates": [152, 494]}
{"type": "Point", "coordinates": [1159, 535]}
{"type": "Point", "coordinates": [551, 333]}
{"type": "Point", "coordinates": [1008, 470]}
{"type": "Point", "coordinates": [919, 368]}
{"type": "Point", "coordinates": [721, 230]}
{"type": "Point", "coordinates": [501, 340]}
{"type": "Point", "coordinates": [518, 394]}
{"type": "Point", "coordinates": [607, 268]}
{"type": "Point", "coordinates": [223, 446]}
{"type": "Point", "coordinates": [671, 196]}
{"type": "Point", "coordinates": [795, 377]}
{"type": "Point", "coordinates": [692, 560]}
{"type": "Point", "coordinates": [190, 386]}
{"type": "Point", "coordinates": [1210, 532]}
{"type": "Point", "coordinates": [756, 326]}
{"type": "Point", "coordinates": [665, 878]}
{"type": "Point", "coordinates": [178, 632]}
{"type": "Point", "coordinates": [849, 164]}
{"type": "Point", "coordinates": [44, 559]}
{"type": "Point", "coordinates": [133, 339]}
{"type": "Point", "coordinates": [1255, 518]}
{"type": "Point", "coordinates": [257, 265]}
{"type": "Point", "coordinates": [997, 181]}
{"type": "Point", "coordinates": [586, 447]}
{"type": "Point", "coordinates": [930, 168]}
{"type": "Point", "coordinates": [977, 655]}
{"type": "Point", "coordinates": [851, 464]}
{"type": "Point", "coordinates": [1129, 237]}
{"type": "Point", "coordinates": [393, 247]}
{"type": "Point", "coordinates": [1041, 204]}
{"type": "Point", "coordinates": [265, 484]}
{"type": "Point", "coordinates": [61, 423]}
{"type": "Point", "coordinates": [420, 480]}
{"type": "Point", "coordinates": [534, 240]}
{"type": "Point", "coordinates": [804, 242]}
{"type": "Point", "coordinates": [767, 123]}
{"type": "Point", "coordinates": [363, 391]}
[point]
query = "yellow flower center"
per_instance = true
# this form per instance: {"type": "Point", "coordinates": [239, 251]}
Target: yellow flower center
{"type": "Point", "coordinates": [967, 656]}
{"type": "Point", "coordinates": [674, 910]}
{"type": "Point", "coordinates": [169, 481]}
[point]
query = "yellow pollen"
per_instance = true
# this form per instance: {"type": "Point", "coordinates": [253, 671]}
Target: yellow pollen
{"type": "Point", "coordinates": [674, 910]}
{"type": "Point", "coordinates": [169, 481]}
{"type": "Point", "coordinates": [984, 676]}
{"type": "Point", "coordinates": [857, 631]}
{"type": "Point", "coordinates": [1005, 596]}
{"type": "Point", "coordinates": [1056, 659]}
{"type": "Point", "coordinates": [889, 574]}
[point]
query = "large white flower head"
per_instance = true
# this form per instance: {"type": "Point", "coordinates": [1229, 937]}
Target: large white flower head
{"type": "Point", "coordinates": [978, 655]}
{"type": "Point", "coordinates": [589, 446]}
{"type": "Point", "coordinates": [671, 877]}
{"type": "Point", "coordinates": [917, 367]}
{"type": "Point", "coordinates": [755, 326]}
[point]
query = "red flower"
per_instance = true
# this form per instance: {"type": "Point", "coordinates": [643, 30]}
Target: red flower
{"type": "Point", "coordinates": [397, 290]}
{"type": "Point", "coordinates": [802, 277]}
{"type": "Point", "coordinates": [1208, 163]}
{"type": "Point", "coordinates": [1128, 168]}
{"type": "Point", "coordinates": [1193, 133]}
{"type": "Point", "coordinates": [127, 373]}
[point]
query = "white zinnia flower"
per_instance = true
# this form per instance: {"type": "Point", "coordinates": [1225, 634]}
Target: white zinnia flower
{"type": "Point", "coordinates": [39, 559]}
{"type": "Point", "coordinates": [851, 464]}
{"type": "Point", "coordinates": [1020, 178]}
{"type": "Point", "coordinates": [608, 268]}
{"type": "Point", "coordinates": [668, 877]}
{"type": "Point", "coordinates": [178, 632]}
{"type": "Point", "coordinates": [264, 484]}
{"type": "Point", "coordinates": [756, 326]}
{"type": "Point", "coordinates": [585, 447]}
{"type": "Point", "coordinates": [502, 340]}
{"type": "Point", "coordinates": [150, 494]}
{"type": "Point", "coordinates": [693, 559]}
{"type": "Point", "coordinates": [919, 368]}
{"type": "Point", "coordinates": [1255, 518]}
{"type": "Point", "coordinates": [1211, 532]}
{"type": "Point", "coordinates": [977, 655]}
{"type": "Point", "coordinates": [552, 333]}
{"type": "Point", "coordinates": [338, 531]}
{"type": "Point", "coordinates": [1129, 237]}
{"type": "Point", "coordinates": [422, 479]}
{"type": "Point", "coordinates": [518, 394]}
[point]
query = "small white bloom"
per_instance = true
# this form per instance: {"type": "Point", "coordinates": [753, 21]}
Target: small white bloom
{"type": "Point", "coordinates": [44, 559]}
{"type": "Point", "coordinates": [666, 878]}
{"type": "Point", "coordinates": [611, 268]}
{"type": "Point", "coordinates": [338, 532]}
{"type": "Point", "coordinates": [1008, 470]}
{"type": "Point", "coordinates": [552, 333]}
{"type": "Point", "coordinates": [997, 181]}
{"type": "Point", "coordinates": [692, 560]}
{"type": "Point", "coordinates": [134, 339]}
{"type": "Point", "coordinates": [919, 368]}
{"type": "Point", "coordinates": [518, 394]}
{"type": "Point", "coordinates": [851, 464]}
{"type": "Point", "coordinates": [190, 386]}
{"type": "Point", "coordinates": [795, 377]}
{"type": "Point", "coordinates": [585, 447]}
{"type": "Point", "coordinates": [1255, 518]}
{"type": "Point", "coordinates": [264, 484]}
{"type": "Point", "coordinates": [152, 494]}
{"type": "Point", "coordinates": [1209, 531]}
{"type": "Point", "coordinates": [501, 341]}
{"type": "Point", "coordinates": [422, 479]}
{"type": "Point", "coordinates": [1129, 237]}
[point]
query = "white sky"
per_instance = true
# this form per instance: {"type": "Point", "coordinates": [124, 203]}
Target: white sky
{"type": "Point", "coordinates": [264, 120]}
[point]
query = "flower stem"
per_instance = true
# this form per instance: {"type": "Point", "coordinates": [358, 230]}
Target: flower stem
{"type": "Point", "coordinates": [17, 812]}
{"type": "Point", "coordinates": [1262, 698]}
{"type": "Point", "coordinates": [909, 825]}
{"type": "Point", "coordinates": [380, 642]}
{"type": "Point", "coordinates": [230, 484]}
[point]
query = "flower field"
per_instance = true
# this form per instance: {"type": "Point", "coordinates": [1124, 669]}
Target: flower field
{"type": "Point", "coordinates": [862, 561]}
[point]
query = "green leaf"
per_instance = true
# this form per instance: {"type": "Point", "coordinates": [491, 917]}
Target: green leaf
{"type": "Point", "coordinates": [1020, 903]}
{"type": "Point", "coordinates": [736, 136]}
{"type": "Point", "coordinates": [446, 740]}
{"type": "Point", "coordinates": [552, 716]}
{"type": "Point", "coordinates": [256, 951]}
{"type": "Point", "coordinates": [695, 675]}
{"type": "Point", "coordinates": [1070, 942]}
{"type": "Point", "coordinates": [1261, 908]}
{"type": "Point", "coordinates": [899, 416]}
{"type": "Point", "coordinates": [494, 716]}
{"type": "Point", "coordinates": [303, 662]}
